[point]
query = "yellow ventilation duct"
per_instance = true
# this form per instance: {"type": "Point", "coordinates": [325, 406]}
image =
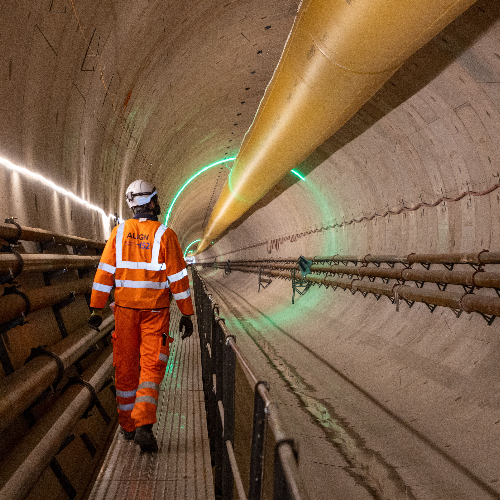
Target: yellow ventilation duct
{"type": "Point", "coordinates": [339, 53]}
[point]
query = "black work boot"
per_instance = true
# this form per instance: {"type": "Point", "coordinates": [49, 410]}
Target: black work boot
{"type": "Point", "coordinates": [128, 435]}
{"type": "Point", "coordinates": [144, 437]}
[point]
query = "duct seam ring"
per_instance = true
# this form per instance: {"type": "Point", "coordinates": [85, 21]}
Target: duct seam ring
{"type": "Point", "coordinates": [93, 395]}
{"type": "Point", "coordinates": [42, 351]}
{"type": "Point", "coordinates": [12, 290]}
{"type": "Point", "coordinates": [19, 231]}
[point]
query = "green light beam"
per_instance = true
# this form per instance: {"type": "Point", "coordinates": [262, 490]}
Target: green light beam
{"type": "Point", "coordinates": [192, 243]}
{"type": "Point", "coordinates": [189, 181]}
{"type": "Point", "coordinates": [297, 174]}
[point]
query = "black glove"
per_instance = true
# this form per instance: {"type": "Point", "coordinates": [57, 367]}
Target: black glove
{"type": "Point", "coordinates": [95, 320]}
{"type": "Point", "coordinates": [188, 327]}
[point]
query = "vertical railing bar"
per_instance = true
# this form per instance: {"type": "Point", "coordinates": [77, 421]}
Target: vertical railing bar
{"type": "Point", "coordinates": [217, 365]}
{"type": "Point", "coordinates": [228, 401]}
{"type": "Point", "coordinates": [258, 439]}
{"type": "Point", "coordinates": [288, 459]}
{"type": "Point", "coordinates": [236, 472]}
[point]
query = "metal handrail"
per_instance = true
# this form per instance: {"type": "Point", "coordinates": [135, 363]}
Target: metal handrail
{"type": "Point", "coordinates": [222, 358]}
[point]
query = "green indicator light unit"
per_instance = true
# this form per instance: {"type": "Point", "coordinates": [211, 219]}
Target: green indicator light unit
{"type": "Point", "coordinates": [298, 175]}
{"type": "Point", "coordinates": [190, 245]}
{"type": "Point", "coordinates": [189, 181]}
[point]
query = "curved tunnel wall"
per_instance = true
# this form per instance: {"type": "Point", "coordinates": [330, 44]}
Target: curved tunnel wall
{"type": "Point", "coordinates": [432, 131]}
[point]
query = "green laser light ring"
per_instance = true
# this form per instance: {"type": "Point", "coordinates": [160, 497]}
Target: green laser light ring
{"type": "Point", "coordinates": [189, 246]}
{"type": "Point", "coordinates": [204, 169]}
{"type": "Point", "coordinates": [302, 178]}
{"type": "Point", "coordinates": [189, 181]}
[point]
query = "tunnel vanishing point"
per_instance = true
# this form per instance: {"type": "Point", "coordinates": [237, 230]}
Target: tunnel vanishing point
{"type": "Point", "coordinates": [363, 136]}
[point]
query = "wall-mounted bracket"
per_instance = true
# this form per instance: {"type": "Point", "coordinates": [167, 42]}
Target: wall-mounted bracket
{"type": "Point", "coordinates": [264, 281]}
{"type": "Point", "coordinates": [46, 245]}
{"type": "Point", "coordinates": [431, 307]}
{"type": "Point", "coordinates": [409, 302]}
{"type": "Point", "coordinates": [488, 318]}
{"type": "Point", "coordinates": [304, 266]}
{"type": "Point", "coordinates": [8, 368]}
{"type": "Point", "coordinates": [299, 285]}
{"type": "Point", "coordinates": [48, 276]}
{"type": "Point", "coordinates": [78, 250]}
{"type": "Point", "coordinates": [57, 313]}
{"type": "Point", "coordinates": [476, 267]}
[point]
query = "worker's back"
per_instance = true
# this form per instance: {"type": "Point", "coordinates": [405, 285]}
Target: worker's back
{"type": "Point", "coordinates": [145, 257]}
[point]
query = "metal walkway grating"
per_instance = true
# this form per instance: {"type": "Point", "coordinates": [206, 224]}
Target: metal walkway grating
{"type": "Point", "coordinates": [181, 469]}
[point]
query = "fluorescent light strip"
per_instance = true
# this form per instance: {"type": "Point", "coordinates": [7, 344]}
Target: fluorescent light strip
{"type": "Point", "coordinates": [16, 168]}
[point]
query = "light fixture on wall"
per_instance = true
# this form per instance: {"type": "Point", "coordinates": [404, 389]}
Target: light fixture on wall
{"type": "Point", "coordinates": [28, 173]}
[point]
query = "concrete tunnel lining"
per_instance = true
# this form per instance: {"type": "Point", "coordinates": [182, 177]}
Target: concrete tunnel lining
{"type": "Point", "coordinates": [418, 390]}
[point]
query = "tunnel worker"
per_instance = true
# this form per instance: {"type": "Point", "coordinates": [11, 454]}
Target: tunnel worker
{"type": "Point", "coordinates": [143, 259]}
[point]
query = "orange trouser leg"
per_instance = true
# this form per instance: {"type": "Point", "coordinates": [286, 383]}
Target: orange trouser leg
{"type": "Point", "coordinates": [155, 347]}
{"type": "Point", "coordinates": [126, 349]}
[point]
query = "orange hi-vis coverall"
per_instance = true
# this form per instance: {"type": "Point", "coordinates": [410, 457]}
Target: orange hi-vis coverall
{"type": "Point", "coordinates": [144, 259]}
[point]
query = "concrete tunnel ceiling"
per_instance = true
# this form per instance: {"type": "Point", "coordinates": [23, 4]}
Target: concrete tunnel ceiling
{"type": "Point", "coordinates": [96, 97]}
{"type": "Point", "coordinates": [97, 94]}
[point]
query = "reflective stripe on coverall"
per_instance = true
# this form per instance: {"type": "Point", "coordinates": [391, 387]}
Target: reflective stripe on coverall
{"type": "Point", "coordinates": [144, 258]}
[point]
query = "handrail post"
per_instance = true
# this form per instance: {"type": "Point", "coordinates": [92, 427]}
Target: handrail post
{"type": "Point", "coordinates": [258, 440]}
{"type": "Point", "coordinates": [281, 488]}
{"type": "Point", "coordinates": [217, 368]}
{"type": "Point", "coordinates": [228, 401]}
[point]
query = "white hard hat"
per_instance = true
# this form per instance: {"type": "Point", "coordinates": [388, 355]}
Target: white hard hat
{"type": "Point", "coordinates": [139, 193]}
